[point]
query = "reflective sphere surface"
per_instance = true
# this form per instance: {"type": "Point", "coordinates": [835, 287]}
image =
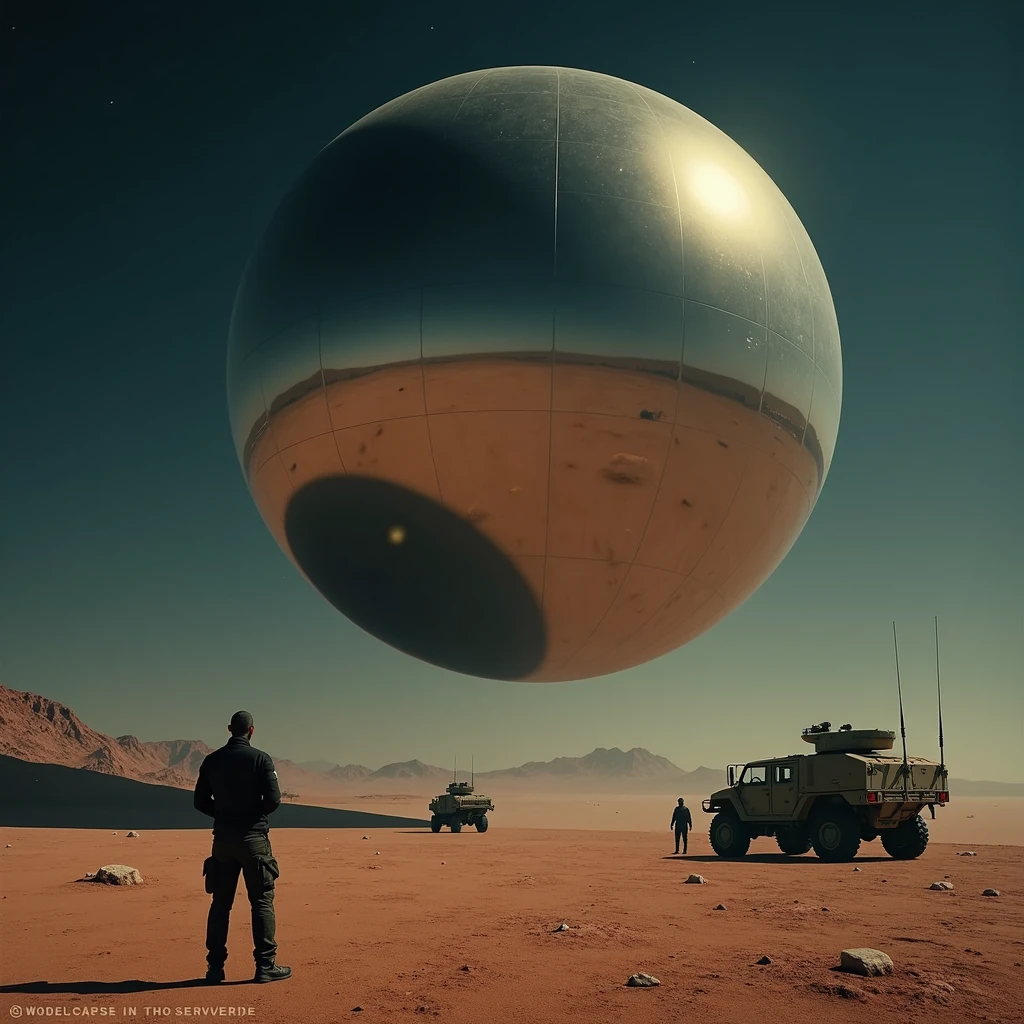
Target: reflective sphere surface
{"type": "Point", "coordinates": [535, 374]}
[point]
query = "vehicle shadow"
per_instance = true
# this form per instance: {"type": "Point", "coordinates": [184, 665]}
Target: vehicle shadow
{"type": "Point", "coordinates": [768, 858]}
{"type": "Point", "coordinates": [106, 988]}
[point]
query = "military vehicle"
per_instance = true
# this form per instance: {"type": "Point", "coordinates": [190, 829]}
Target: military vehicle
{"type": "Point", "coordinates": [459, 806]}
{"type": "Point", "coordinates": [847, 792]}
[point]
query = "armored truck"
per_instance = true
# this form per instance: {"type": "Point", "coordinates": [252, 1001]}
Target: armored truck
{"type": "Point", "coordinates": [459, 806]}
{"type": "Point", "coordinates": [851, 790]}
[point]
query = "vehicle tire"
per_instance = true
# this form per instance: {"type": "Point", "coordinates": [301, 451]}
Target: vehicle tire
{"type": "Point", "coordinates": [906, 841]}
{"type": "Point", "coordinates": [456, 825]}
{"type": "Point", "coordinates": [435, 823]}
{"type": "Point", "coordinates": [729, 837]}
{"type": "Point", "coordinates": [481, 823]}
{"type": "Point", "coordinates": [869, 835]}
{"type": "Point", "coordinates": [835, 834]}
{"type": "Point", "coordinates": [793, 841]}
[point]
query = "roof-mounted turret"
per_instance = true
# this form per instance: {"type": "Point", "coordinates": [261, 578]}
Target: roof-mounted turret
{"type": "Point", "coordinates": [848, 740]}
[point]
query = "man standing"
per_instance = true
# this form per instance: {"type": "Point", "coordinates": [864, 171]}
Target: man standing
{"type": "Point", "coordinates": [238, 788]}
{"type": "Point", "coordinates": [682, 823]}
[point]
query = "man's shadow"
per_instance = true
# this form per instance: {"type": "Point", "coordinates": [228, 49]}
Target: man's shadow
{"type": "Point", "coordinates": [109, 988]}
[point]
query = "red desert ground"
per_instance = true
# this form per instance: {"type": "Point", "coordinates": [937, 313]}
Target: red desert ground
{"type": "Point", "coordinates": [383, 920]}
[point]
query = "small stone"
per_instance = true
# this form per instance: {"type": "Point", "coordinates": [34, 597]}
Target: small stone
{"type": "Point", "coordinates": [966, 853]}
{"type": "Point", "coordinates": [824, 910]}
{"type": "Point", "coordinates": [869, 962]}
{"type": "Point", "coordinates": [132, 835]}
{"type": "Point", "coordinates": [366, 837]}
{"type": "Point", "coordinates": [357, 1009]}
{"type": "Point", "coordinates": [465, 967]}
{"type": "Point", "coordinates": [442, 862]}
{"type": "Point", "coordinates": [113, 833]}
{"type": "Point", "coordinates": [856, 869]}
{"type": "Point", "coordinates": [764, 961]}
{"type": "Point", "coordinates": [696, 880]}
{"type": "Point", "coordinates": [990, 892]}
{"type": "Point", "coordinates": [642, 981]}
{"type": "Point", "coordinates": [377, 853]}
{"type": "Point", "coordinates": [563, 927]}
{"type": "Point", "coordinates": [941, 886]}
{"type": "Point", "coordinates": [8, 846]}
{"type": "Point", "coordinates": [721, 906]}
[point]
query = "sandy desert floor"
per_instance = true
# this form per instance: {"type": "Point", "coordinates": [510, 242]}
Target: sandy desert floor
{"type": "Point", "coordinates": [407, 924]}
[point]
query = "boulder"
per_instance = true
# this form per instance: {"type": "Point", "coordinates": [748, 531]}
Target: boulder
{"type": "Point", "coordinates": [869, 962]}
{"type": "Point", "coordinates": [117, 874]}
{"type": "Point", "coordinates": [642, 981]}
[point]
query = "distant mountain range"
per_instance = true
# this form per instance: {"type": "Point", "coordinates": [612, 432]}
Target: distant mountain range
{"type": "Point", "coordinates": [36, 729]}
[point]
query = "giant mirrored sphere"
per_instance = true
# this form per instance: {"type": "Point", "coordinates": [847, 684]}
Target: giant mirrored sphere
{"type": "Point", "coordinates": [535, 374]}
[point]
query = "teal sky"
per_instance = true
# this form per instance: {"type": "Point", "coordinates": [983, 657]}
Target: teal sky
{"type": "Point", "coordinates": [139, 584]}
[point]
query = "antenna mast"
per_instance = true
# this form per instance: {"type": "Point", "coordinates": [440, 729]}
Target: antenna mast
{"type": "Point", "coordinates": [455, 769]}
{"type": "Point", "coordinates": [938, 688]}
{"type": "Point", "coordinates": [472, 770]}
{"type": "Point", "coordinates": [903, 724]}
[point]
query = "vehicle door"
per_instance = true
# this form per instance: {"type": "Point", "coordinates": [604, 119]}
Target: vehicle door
{"type": "Point", "coordinates": [755, 791]}
{"type": "Point", "coordinates": [783, 786]}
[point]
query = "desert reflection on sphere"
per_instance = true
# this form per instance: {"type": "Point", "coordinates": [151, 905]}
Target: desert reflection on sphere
{"type": "Point", "coordinates": [565, 338]}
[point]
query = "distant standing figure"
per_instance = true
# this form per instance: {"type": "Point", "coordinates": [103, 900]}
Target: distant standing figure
{"type": "Point", "coordinates": [682, 823]}
{"type": "Point", "coordinates": [238, 788]}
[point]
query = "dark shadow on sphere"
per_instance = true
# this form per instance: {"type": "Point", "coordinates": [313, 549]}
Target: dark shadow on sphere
{"type": "Point", "coordinates": [108, 988]}
{"type": "Point", "coordinates": [445, 594]}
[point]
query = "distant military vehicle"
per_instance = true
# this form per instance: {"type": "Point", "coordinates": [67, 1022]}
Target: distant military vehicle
{"type": "Point", "coordinates": [847, 792]}
{"type": "Point", "coordinates": [459, 806]}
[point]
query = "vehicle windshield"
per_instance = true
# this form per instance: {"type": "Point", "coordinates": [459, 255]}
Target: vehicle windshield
{"type": "Point", "coordinates": [754, 774]}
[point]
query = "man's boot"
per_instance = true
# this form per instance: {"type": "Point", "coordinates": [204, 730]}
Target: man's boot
{"type": "Point", "coordinates": [272, 973]}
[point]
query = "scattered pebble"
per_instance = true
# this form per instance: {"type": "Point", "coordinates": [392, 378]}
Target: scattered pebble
{"type": "Point", "coordinates": [366, 837]}
{"type": "Point", "coordinates": [8, 846]}
{"type": "Point", "coordinates": [132, 835]}
{"type": "Point", "coordinates": [990, 892]}
{"type": "Point", "coordinates": [377, 853]}
{"type": "Point", "coordinates": [764, 961]}
{"type": "Point", "coordinates": [824, 910]}
{"type": "Point", "coordinates": [856, 869]}
{"type": "Point", "coordinates": [642, 981]}
{"type": "Point", "coordinates": [967, 853]}
{"type": "Point", "coordinates": [721, 906]}
{"type": "Point", "coordinates": [941, 885]}
{"type": "Point", "coordinates": [696, 880]}
{"type": "Point", "coordinates": [563, 927]}
{"type": "Point", "coordinates": [358, 1009]}
{"type": "Point", "coordinates": [870, 962]}
{"type": "Point", "coordinates": [465, 967]}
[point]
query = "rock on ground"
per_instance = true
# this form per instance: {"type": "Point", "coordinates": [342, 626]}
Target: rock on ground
{"type": "Point", "coordinates": [990, 892]}
{"type": "Point", "coordinates": [117, 874]}
{"type": "Point", "coordinates": [869, 962]}
{"type": "Point", "coordinates": [765, 960]}
{"type": "Point", "coordinates": [941, 885]}
{"type": "Point", "coordinates": [642, 981]}
{"type": "Point", "coordinates": [696, 880]}
{"type": "Point", "coordinates": [132, 835]}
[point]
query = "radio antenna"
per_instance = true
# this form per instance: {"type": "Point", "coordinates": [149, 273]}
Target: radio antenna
{"type": "Point", "coordinates": [472, 769]}
{"type": "Point", "coordinates": [938, 688]}
{"type": "Point", "coordinates": [903, 724]}
{"type": "Point", "coordinates": [455, 769]}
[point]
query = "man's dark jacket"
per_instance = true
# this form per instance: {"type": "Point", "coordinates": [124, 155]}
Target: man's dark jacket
{"type": "Point", "coordinates": [681, 817]}
{"type": "Point", "coordinates": [238, 788]}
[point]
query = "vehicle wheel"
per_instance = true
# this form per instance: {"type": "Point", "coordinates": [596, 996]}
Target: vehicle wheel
{"type": "Point", "coordinates": [869, 835]}
{"type": "Point", "coordinates": [435, 823]}
{"type": "Point", "coordinates": [729, 837]}
{"type": "Point", "coordinates": [456, 825]}
{"type": "Point", "coordinates": [481, 823]}
{"type": "Point", "coordinates": [793, 841]}
{"type": "Point", "coordinates": [906, 841]}
{"type": "Point", "coordinates": [835, 834]}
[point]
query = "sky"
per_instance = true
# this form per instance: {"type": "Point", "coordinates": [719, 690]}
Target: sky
{"type": "Point", "coordinates": [145, 149]}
